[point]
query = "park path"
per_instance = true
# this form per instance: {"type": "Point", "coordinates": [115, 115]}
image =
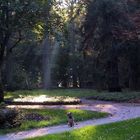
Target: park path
{"type": "Point", "coordinates": [118, 111]}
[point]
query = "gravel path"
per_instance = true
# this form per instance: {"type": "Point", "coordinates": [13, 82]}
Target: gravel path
{"type": "Point", "coordinates": [118, 111]}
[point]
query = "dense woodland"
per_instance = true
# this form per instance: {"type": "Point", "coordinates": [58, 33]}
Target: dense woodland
{"type": "Point", "coordinates": [88, 43]}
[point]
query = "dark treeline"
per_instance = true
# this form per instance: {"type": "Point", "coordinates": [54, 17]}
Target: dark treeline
{"type": "Point", "coordinates": [98, 41]}
{"type": "Point", "coordinates": [112, 32]}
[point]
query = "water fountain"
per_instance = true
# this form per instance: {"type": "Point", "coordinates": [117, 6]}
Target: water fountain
{"type": "Point", "coordinates": [50, 51]}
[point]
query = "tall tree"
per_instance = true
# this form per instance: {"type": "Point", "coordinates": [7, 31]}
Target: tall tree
{"type": "Point", "coordinates": [105, 20]}
{"type": "Point", "coordinates": [17, 18]}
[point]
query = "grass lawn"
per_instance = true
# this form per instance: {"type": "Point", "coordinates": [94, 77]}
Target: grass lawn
{"type": "Point", "coordinates": [79, 93]}
{"type": "Point", "coordinates": [57, 116]}
{"type": "Point", "coordinates": [126, 130]}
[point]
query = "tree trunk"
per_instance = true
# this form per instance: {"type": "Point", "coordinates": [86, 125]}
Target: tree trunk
{"type": "Point", "coordinates": [75, 84]}
{"type": "Point", "coordinates": [1, 89]}
{"type": "Point", "coordinates": [74, 75]}
{"type": "Point", "coordinates": [113, 73]}
{"type": "Point", "coordinates": [9, 71]}
{"type": "Point", "coordinates": [134, 75]}
{"type": "Point", "coordinates": [2, 47]}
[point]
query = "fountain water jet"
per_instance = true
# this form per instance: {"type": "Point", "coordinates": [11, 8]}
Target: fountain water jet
{"type": "Point", "coordinates": [50, 51]}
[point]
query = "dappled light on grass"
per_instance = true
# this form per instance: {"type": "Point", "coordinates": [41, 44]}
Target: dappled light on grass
{"type": "Point", "coordinates": [55, 92]}
{"type": "Point", "coordinates": [83, 133]}
{"type": "Point", "coordinates": [126, 130]}
{"type": "Point", "coordinates": [55, 117]}
{"type": "Point", "coordinates": [45, 98]}
{"type": "Point", "coordinates": [126, 96]}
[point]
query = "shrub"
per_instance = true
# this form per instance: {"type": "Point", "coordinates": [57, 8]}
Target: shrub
{"type": "Point", "coordinates": [9, 118]}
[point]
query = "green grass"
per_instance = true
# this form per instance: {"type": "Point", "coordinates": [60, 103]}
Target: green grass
{"type": "Point", "coordinates": [56, 92]}
{"type": "Point", "coordinates": [117, 96]}
{"type": "Point", "coordinates": [80, 93]}
{"type": "Point", "coordinates": [57, 116]}
{"type": "Point", "coordinates": [126, 130]}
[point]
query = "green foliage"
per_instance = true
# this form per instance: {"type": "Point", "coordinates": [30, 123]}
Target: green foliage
{"type": "Point", "coordinates": [115, 131]}
{"type": "Point", "coordinates": [2, 105]}
{"type": "Point", "coordinates": [27, 23]}
{"type": "Point", "coordinates": [9, 118]}
{"type": "Point", "coordinates": [60, 71]}
{"type": "Point", "coordinates": [105, 28]}
{"type": "Point", "coordinates": [19, 18]}
{"type": "Point", "coordinates": [22, 24]}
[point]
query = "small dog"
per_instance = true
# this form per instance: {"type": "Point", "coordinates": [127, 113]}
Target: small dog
{"type": "Point", "coordinates": [71, 121]}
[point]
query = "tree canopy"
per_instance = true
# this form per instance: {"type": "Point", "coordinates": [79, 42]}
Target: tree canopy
{"type": "Point", "coordinates": [69, 43]}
